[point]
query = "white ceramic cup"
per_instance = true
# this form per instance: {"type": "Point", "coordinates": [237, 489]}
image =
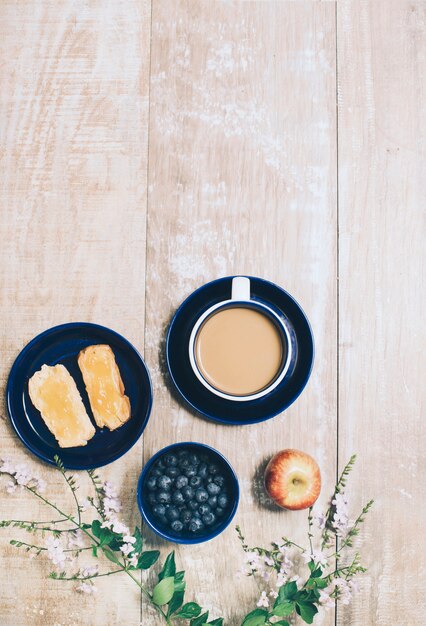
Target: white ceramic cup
{"type": "Point", "coordinates": [240, 296]}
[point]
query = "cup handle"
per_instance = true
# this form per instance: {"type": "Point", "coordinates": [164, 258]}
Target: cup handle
{"type": "Point", "coordinates": [240, 288]}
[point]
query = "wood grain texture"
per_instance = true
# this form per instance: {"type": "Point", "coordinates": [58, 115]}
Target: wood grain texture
{"type": "Point", "coordinates": [242, 175]}
{"type": "Point", "coordinates": [242, 179]}
{"type": "Point", "coordinates": [382, 171]}
{"type": "Point", "coordinates": [74, 113]}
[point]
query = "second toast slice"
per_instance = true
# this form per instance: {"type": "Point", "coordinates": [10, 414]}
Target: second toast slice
{"type": "Point", "coordinates": [105, 388]}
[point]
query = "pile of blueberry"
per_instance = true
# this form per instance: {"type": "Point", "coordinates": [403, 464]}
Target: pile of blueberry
{"type": "Point", "coordinates": [187, 491]}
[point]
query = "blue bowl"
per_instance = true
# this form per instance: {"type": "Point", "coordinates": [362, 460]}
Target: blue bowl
{"type": "Point", "coordinates": [185, 537]}
{"type": "Point", "coordinates": [62, 344]}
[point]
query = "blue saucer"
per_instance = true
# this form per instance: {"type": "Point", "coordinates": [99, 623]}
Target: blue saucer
{"type": "Point", "coordinates": [62, 344]}
{"type": "Point", "coordinates": [220, 409]}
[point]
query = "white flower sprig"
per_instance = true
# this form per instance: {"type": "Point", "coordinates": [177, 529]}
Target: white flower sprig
{"type": "Point", "coordinates": [324, 580]}
{"type": "Point", "coordinates": [67, 536]}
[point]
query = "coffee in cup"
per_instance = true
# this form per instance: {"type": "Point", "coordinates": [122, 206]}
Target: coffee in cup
{"type": "Point", "coordinates": [240, 348]}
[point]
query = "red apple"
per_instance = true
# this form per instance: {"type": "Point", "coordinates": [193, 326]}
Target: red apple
{"type": "Point", "coordinates": [293, 479]}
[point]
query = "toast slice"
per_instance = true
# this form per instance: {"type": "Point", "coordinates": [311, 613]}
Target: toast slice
{"type": "Point", "coordinates": [54, 393]}
{"type": "Point", "coordinates": [110, 407]}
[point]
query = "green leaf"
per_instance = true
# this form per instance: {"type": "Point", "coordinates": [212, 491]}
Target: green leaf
{"type": "Point", "coordinates": [96, 527]}
{"type": "Point", "coordinates": [255, 618]}
{"type": "Point", "coordinates": [176, 602]}
{"type": "Point", "coordinates": [137, 546]}
{"type": "Point", "coordinates": [169, 567]}
{"type": "Point", "coordinates": [283, 609]}
{"type": "Point", "coordinates": [286, 592]}
{"type": "Point", "coordinates": [163, 591]}
{"type": "Point", "coordinates": [148, 558]}
{"type": "Point", "coordinates": [306, 611]}
{"type": "Point", "coordinates": [202, 619]}
{"type": "Point", "coordinates": [95, 551]}
{"type": "Point", "coordinates": [110, 556]}
{"type": "Point", "coordinates": [311, 566]}
{"type": "Point", "coordinates": [179, 581]}
{"type": "Point", "coordinates": [189, 610]}
{"type": "Point", "coordinates": [321, 583]}
{"type": "Point", "coordinates": [216, 622]}
{"type": "Point", "coordinates": [317, 573]}
{"type": "Point", "coordinates": [281, 622]}
{"type": "Point", "coordinates": [106, 536]}
{"type": "Point", "coordinates": [307, 596]}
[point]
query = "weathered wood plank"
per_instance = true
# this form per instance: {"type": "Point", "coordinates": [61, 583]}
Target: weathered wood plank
{"type": "Point", "coordinates": [73, 123]}
{"type": "Point", "coordinates": [242, 180]}
{"type": "Point", "coordinates": [381, 68]}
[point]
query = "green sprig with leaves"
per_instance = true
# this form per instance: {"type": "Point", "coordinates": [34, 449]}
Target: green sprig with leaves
{"type": "Point", "coordinates": [105, 537]}
{"type": "Point", "coordinates": [323, 579]}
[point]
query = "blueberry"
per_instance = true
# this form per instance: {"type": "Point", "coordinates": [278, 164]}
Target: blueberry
{"type": "Point", "coordinates": [181, 481]}
{"type": "Point", "coordinates": [185, 516]}
{"type": "Point", "coordinates": [163, 519]}
{"type": "Point", "coordinates": [163, 497]}
{"type": "Point", "coordinates": [208, 480]}
{"type": "Point", "coordinates": [195, 525]}
{"type": "Point", "coordinates": [151, 483]}
{"type": "Point", "coordinates": [196, 515]}
{"type": "Point", "coordinates": [219, 480]}
{"type": "Point", "coordinates": [177, 526]}
{"type": "Point", "coordinates": [219, 512]}
{"type": "Point", "coordinates": [156, 472]}
{"type": "Point", "coordinates": [160, 466]}
{"type": "Point", "coordinates": [193, 459]}
{"type": "Point", "coordinates": [184, 461]}
{"type": "Point", "coordinates": [203, 509]}
{"type": "Point", "coordinates": [171, 460]}
{"type": "Point", "coordinates": [195, 481]}
{"type": "Point", "coordinates": [212, 502]}
{"type": "Point", "coordinates": [172, 513]}
{"type": "Point", "coordinates": [222, 500]}
{"type": "Point", "coordinates": [164, 483]}
{"type": "Point", "coordinates": [188, 493]}
{"type": "Point", "coordinates": [172, 472]}
{"type": "Point", "coordinates": [190, 471]}
{"type": "Point", "coordinates": [159, 510]}
{"type": "Point", "coordinates": [202, 470]}
{"type": "Point", "coordinates": [212, 489]}
{"type": "Point", "coordinates": [193, 505]}
{"type": "Point", "coordinates": [213, 469]}
{"type": "Point", "coordinates": [201, 495]}
{"type": "Point", "coordinates": [177, 497]}
{"type": "Point", "coordinates": [209, 518]}
{"type": "Point", "coordinates": [152, 497]}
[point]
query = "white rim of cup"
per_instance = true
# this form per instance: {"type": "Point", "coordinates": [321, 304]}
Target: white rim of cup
{"type": "Point", "coordinates": [240, 295]}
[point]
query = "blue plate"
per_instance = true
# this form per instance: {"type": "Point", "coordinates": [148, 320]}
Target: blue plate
{"type": "Point", "coordinates": [207, 533]}
{"type": "Point", "coordinates": [62, 344]}
{"type": "Point", "coordinates": [220, 409]}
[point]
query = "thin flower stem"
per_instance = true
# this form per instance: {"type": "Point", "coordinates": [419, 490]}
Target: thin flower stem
{"type": "Point", "coordinates": [72, 488]}
{"type": "Point", "coordinates": [291, 543]}
{"type": "Point", "coordinates": [69, 517]}
{"type": "Point", "coordinates": [27, 521]}
{"type": "Point", "coordinates": [34, 526]}
{"type": "Point", "coordinates": [116, 571]}
{"type": "Point", "coordinates": [40, 548]}
{"type": "Point", "coordinates": [310, 528]}
{"type": "Point", "coordinates": [98, 507]}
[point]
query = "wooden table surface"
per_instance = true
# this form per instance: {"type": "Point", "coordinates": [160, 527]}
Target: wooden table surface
{"type": "Point", "coordinates": [149, 147]}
